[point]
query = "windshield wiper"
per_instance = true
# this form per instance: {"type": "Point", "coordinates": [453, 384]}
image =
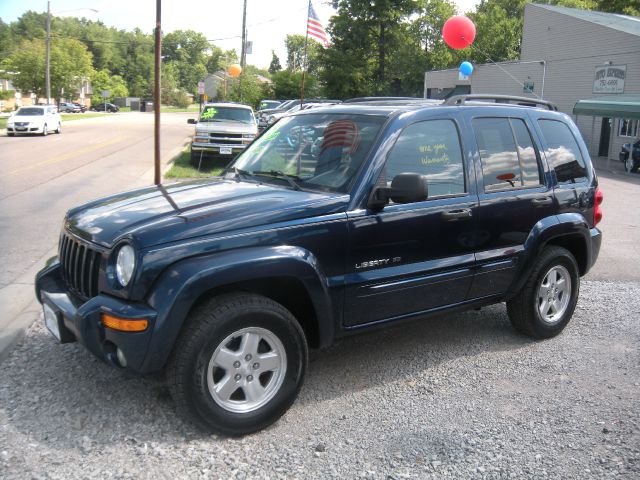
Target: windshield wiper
{"type": "Point", "coordinates": [291, 179]}
{"type": "Point", "coordinates": [238, 173]}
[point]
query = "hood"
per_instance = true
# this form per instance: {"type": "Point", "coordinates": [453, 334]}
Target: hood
{"type": "Point", "coordinates": [226, 127]}
{"type": "Point", "coordinates": [164, 214]}
{"type": "Point", "coordinates": [26, 118]}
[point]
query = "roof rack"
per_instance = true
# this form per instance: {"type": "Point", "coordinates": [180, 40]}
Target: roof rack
{"type": "Point", "coordinates": [523, 101]}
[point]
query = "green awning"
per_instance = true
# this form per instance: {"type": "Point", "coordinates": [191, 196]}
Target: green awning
{"type": "Point", "coordinates": [619, 106]}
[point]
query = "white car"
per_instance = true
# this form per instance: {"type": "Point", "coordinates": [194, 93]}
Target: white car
{"type": "Point", "coordinates": [38, 119]}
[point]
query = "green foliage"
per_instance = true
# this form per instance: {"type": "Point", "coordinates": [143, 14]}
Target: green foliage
{"type": "Point", "coordinates": [70, 61]}
{"type": "Point", "coordinates": [115, 84]}
{"type": "Point", "coordinates": [287, 84]}
{"type": "Point", "coordinates": [247, 90]}
{"type": "Point", "coordinates": [275, 63]}
{"type": "Point", "coordinates": [296, 51]}
{"type": "Point", "coordinates": [7, 94]}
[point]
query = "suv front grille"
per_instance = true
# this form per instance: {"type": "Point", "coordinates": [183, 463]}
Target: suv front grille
{"type": "Point", "coordinates": [80, 264]}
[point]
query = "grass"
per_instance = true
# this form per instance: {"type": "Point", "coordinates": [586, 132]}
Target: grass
{"type": "Point", "coordinates": [3, 122]}
{"type": "Point", "coordinates": [169, 109]}
{"type": "Point", "coordinates": [182, 167]}
{"type": "Point", "coordinates": [79, 116]}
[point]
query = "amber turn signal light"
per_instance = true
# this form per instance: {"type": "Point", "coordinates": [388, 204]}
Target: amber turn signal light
{"type": "Point", "coordinates": [124, 325]}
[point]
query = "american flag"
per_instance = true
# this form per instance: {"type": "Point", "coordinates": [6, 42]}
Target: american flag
{"type": "Point", "coordinates": [315, 28]}
{"type": "Point", "coordinates": [341, 134]}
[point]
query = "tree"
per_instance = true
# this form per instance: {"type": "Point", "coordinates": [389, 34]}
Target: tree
{"type": "Point", "coordinates": [287, 84]}
{"type": "Point", "coordinates": [70, 61]}
{"type": "Point", "coordinates": [114, 84]}
{"type": "Point", "coordinates": [275, 63]}
{"type": "Point", "coordinates": [186, 49]}
{"type": "Point", "coordinates": [296, 54]}
{"type": "Point", "coordinates": [627, 7]}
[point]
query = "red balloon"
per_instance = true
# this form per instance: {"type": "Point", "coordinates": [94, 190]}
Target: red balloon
{"type": "Point", "coordinates": [459, 32]}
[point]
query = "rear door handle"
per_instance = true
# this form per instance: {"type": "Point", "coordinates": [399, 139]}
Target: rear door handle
{"type": "Point", "coordinates": [541, 201]}
{"type": "Point", "coordinates": [459, 214]}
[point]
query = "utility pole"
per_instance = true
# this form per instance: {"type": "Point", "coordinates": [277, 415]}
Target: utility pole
{"type": "Point", "coordinates": [243, 51]}
{"type": "Point", "coordinates": [156, 95]}
{"type": "Point", "coordinates": [47, 78]}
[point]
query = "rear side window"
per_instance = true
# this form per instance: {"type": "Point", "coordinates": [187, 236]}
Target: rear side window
{"type": "Point", "coordinates": [563, 152]}
{"type": "Point", "coordinates": [508, 156]}
{"type": "Point", "coordinates": [432, 149]}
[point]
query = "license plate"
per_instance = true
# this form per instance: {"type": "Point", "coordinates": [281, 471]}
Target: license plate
{"type": "Point", "coordinates": [51, 321]}
{"type": "Point", "coordinates": [225, 151]}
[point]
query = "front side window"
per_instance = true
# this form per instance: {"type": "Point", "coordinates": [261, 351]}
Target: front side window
{"type": "Point", "coordinates": [563, 152]}
{"type": "Point", "coordinates": [507, 154]}
{"type": "Point", "coordinates": [432, 149]}
{"type": "Point", "coordinates": [317, 151]}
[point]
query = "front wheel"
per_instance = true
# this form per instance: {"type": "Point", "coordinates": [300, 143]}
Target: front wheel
{"type": "Point", "coordinates": [59, 129]}
{"type": "Point", "coordinates": [238, 365]}
{"type": "Point", "coordinates": [546, 303]}
{"type": "Point", "coordinates": [630, 165]}
{"type": "Point", "coordinates": [45, 130]}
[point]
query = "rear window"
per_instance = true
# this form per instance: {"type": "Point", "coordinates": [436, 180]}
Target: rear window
{"type": "Point", "coordinates": [563, 152]}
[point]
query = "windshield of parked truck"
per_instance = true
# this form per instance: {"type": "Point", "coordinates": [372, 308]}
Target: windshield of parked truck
{"type": "Point", "coordinates": [212, 113]}
{"type": "Point", "coordinates": [317, 151]}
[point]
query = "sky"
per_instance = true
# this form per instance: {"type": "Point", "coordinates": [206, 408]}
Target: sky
{"type": "Point", "coordinates": [268, 22]}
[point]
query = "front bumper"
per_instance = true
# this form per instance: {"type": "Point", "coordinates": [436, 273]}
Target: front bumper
{"type": "Point", "coordinates": [217, 149]}
{"type": "Point", "coordinates": [31, 128]}
{"type": "Point", "coordinates": [82, 322]}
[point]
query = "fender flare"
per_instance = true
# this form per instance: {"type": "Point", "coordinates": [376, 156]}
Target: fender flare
{"type": "Point", "coordinates": [182, 284]}
{"type": "Point", "coordinates": [544, 232]}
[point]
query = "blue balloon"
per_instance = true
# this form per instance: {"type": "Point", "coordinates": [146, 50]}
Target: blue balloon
{"type": "Point", "coordinates": [466, 68]}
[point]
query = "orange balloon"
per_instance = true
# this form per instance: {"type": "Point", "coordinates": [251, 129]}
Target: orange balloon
{"type": "Point", "coordinates": [234, 70]}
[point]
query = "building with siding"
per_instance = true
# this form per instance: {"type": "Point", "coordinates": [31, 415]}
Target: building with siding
{"type": "Point", "coordinates": [569, 57]}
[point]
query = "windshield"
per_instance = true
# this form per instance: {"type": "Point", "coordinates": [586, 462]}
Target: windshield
{"type": "Point", "coordinates": [320, 150]}
{"type": "Point", "coordinates": [226, 114]}
{"type": "Point", "coordinates": [30, 111]}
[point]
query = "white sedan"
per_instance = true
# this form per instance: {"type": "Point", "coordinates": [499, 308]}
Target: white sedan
{"type": "Point", "coordinates": [38, 119]}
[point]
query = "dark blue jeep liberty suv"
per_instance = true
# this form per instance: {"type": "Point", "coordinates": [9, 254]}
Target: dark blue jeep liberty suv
{"type": "Point", "coordinates": [334, 221]}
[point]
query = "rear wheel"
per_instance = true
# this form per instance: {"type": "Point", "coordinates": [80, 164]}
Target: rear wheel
{"type": "Point", "coordinates": [238, 365]}
{"type": "Point", "coordinates": [546, 303]}
{"type": "Point", "coordinates": [59, 129]}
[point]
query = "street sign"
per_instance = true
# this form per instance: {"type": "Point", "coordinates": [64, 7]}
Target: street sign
{"type": "Point", "coordinates": [105, 93]}
{"type": "Point", "coordinates": [200, 88]}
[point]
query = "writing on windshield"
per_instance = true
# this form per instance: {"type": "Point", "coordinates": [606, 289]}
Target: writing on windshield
{"type": "Point", "coordinates": [226, 114]}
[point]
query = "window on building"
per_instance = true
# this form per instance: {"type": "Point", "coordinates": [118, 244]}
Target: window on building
{"type": "Point", "coordinates": [628, 127]}
{"type": "Point", "coordinates": [563, 152]}
{"type": "Point", "coordinates": [432, 149]}
{"type": "Point", "coordinates": [509, 158]}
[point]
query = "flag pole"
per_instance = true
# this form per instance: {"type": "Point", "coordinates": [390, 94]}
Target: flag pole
{"type": "Point", "coordinates": [304, 63]}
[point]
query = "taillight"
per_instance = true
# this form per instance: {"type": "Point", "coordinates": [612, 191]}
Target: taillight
{"type": "Point", "coordinates": [597, 209]}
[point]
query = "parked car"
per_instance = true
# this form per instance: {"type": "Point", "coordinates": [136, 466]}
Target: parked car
{"type": "Point", "coordinates": [82, 108]}
{"type": "Point", "coordinates": [630, 156]}
{"type": "Point", "coordinates": [105, 107]}
{"type": "Point", "coordinates": [67, 107]}
{"type": "Point", "coordinates": [266, 104]}
{"type": "Point", "coordinates": [335, 221]}
{"type": "Point", "coordinates": [223, 130]}
{"type": "Point", "coordinates": [274, 117]}
{"type": "Point", "coordinates": [36, 119]}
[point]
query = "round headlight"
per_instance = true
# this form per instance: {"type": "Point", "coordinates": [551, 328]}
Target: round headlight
{"type": "Point", "coordinates": [125, 264]}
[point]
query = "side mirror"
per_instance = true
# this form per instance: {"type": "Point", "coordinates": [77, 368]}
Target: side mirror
{"type": "Point", "coordinates": [192, 121]}
{"type": "Point", "coordinates": [405, 188]}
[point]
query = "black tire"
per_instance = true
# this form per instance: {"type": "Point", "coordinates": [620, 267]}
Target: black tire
{"type": "Point", "coordinates": [59, 129]}
{"type": "Point", "coordinates": [11, 134]}
{"type": "Point", "coordinates": [630, 165]}
{"type": "Point", "coordinates": [524, 308]}
{"type": "Point", "coordinates": [208, 329]}
{"type": "Point", "coordinates": [45, 130]}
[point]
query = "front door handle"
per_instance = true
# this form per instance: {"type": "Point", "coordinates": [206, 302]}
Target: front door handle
{"type": "Point", "coordinates": [542, 201]}
{"type": "Point", "coordinates": [459, 214]}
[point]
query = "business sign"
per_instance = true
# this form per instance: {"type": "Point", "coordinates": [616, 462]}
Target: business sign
{"type": "Point", "coordinates": [200, 88]}
{"type": "Point", "coordinates": [609, 79]}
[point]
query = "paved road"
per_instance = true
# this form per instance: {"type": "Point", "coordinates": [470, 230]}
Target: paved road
{"type": "Point", "coordinates": [42, 177]}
